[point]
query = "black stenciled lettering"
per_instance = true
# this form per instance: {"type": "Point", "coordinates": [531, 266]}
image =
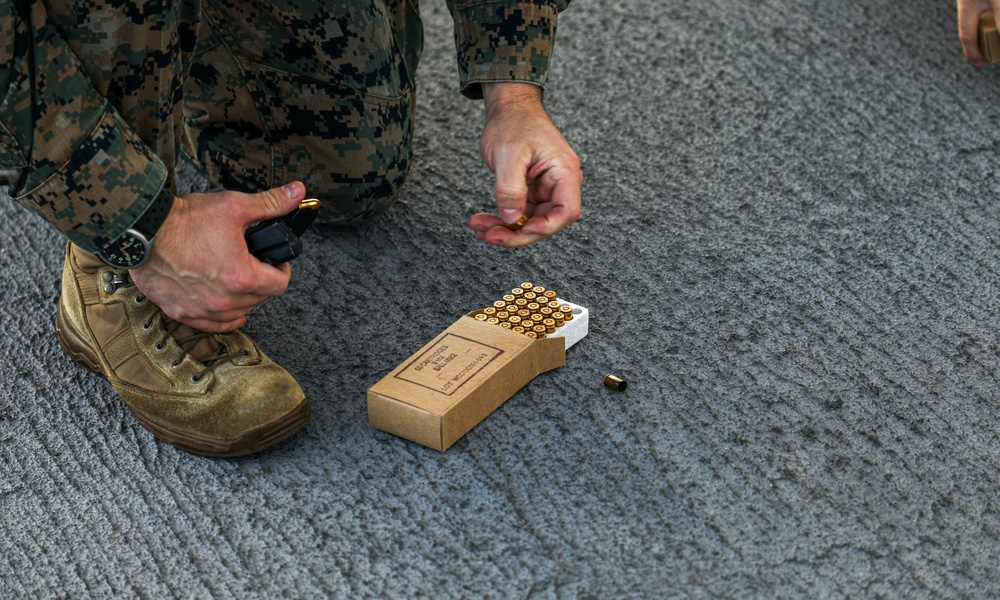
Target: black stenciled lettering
{"type": "Point", "coordinates": [470, 366]}
{"type": "Point", "coordinates": [430, 358]}
{"type": "Point", "coordinates": [443, 362]}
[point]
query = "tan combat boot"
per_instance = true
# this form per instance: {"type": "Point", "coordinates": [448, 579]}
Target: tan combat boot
{"type": "Point", "coordinates": [211, 394]}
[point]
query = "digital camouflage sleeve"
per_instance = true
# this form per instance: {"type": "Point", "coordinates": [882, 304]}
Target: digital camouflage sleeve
{"type": "Point", "coordinates": [499, 41]}
{"type": "Point", "coordinates": [64, 151]}
{"type": "Point", "coordinates": [90, 161]}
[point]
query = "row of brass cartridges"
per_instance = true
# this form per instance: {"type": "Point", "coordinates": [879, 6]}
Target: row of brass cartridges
{"type": "Point", "coordinates": [528, 309]}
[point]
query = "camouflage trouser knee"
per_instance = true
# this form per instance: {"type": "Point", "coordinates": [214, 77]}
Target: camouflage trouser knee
{"type": "Point", "coordinates": [262, 92]}
{"type": "Point", "coordinates": [320, 92]}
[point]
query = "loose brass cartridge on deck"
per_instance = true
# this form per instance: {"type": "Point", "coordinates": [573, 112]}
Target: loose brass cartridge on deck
{"type": "Point", "coordinates": [615, 383]}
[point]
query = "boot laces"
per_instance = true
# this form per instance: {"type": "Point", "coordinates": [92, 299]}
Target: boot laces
{"type": "Point", "coordinates": [221, 355]}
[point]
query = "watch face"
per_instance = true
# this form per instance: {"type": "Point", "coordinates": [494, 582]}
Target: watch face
{"type": "Point", "coordinates": [128, 251]}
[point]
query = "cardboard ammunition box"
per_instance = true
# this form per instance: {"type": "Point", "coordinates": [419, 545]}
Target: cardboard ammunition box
{"type": "Point", "coordinates": [440, 393]}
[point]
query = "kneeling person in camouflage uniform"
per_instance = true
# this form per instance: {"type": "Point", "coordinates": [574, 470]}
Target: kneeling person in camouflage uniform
{"type": "Point", "coordinates": [99, 99]}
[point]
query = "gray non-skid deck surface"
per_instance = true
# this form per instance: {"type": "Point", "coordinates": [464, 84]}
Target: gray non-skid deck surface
{"type": "Point", "coordinates": [790, 250]}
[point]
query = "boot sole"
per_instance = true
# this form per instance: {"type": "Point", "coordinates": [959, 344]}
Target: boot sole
{"type": "Point", "coordinates": [250, 442]}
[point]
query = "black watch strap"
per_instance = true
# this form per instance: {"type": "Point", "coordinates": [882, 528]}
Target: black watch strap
{"type": "Point", "coordinates": [132, 248]}
{"type": "Point", "coordinates": [149, 223]}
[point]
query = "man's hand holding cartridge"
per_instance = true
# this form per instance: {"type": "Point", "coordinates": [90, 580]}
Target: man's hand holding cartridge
{"type": "Point", "coordinates": [200, 272]}
{"type": "Point", "coordinates": [537, 173]}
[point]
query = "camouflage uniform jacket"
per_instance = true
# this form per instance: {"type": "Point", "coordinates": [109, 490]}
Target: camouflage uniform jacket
{"type": "Point", "coordinates": [71, 155]}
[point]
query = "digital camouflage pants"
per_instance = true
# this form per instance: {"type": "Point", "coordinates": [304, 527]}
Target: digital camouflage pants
{"type": "Point", "coordinates": [259, 93]}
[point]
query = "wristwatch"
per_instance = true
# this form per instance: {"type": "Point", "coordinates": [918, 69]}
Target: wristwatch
{"type": "Point", "coordinates": [132, 248]}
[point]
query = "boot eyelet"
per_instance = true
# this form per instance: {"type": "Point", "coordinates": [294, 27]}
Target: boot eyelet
{"type": "Point", "coordinates": [177, 363]}
{"type": "Point", "coordinates": [147, 325]}
{"type": "Point", "coordinates": [196, 378]}
{"type": "Point", "coordinates": [140, 299]}
{"type": "Point", "coordinates": [160, 346]}
{"type": "Point", "coordinates": [112, 281]}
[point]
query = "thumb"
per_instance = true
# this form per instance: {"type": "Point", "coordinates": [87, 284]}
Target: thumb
{"type": "Point", "coordinates": [275, 202]}
{"type": "Point", "coordinates": [512, 191]}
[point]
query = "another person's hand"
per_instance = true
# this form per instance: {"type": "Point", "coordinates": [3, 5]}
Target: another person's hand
{"type": "Point", "coordinates": [200, 271]}
{"type": "Point", "coordinates": [968, 26]}
{"type": "Point", "coordinates": [537, 173]}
